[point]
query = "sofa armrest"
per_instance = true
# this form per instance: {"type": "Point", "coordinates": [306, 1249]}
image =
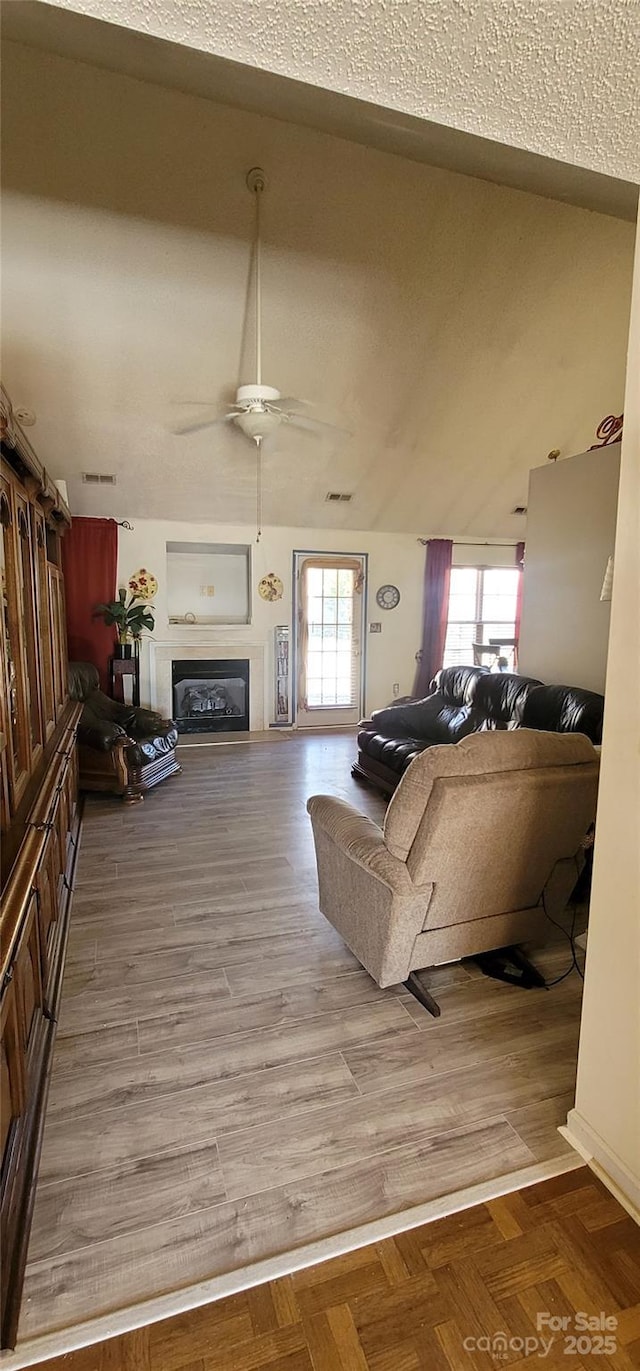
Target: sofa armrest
{"type": "Point", "coordinates": [407, 721]}
{"type": "Point", "coordinates": [360, 839]}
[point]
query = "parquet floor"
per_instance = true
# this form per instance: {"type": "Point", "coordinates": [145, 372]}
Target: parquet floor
{"type": "Point", "coordinates": [228, 1083]}
{"type": "Point", "coordinates": [464, 1292]}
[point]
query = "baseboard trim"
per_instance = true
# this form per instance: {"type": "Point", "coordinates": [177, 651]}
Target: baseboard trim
{"type": "Point", "coordinates": [218, 1287]}
{"type": "Point", "coordinates": [607, 1165]}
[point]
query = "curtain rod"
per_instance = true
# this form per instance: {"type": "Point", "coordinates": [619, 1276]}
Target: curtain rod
{"type": "Point", "coordinates": [456, 543]}
{"type": "Point", "coordinates": [124, 523]}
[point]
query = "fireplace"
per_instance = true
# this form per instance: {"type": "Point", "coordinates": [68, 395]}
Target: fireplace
{"type": "Point", "coordinates": [211, 696]}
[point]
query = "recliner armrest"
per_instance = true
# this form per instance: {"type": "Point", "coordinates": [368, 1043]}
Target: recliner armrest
{"type": "Point", "coordinates": [102, 734]}
{"type": "Point", "coordinates": [146, 721]}
{"type": "Point", "coordinates": [360, 839]}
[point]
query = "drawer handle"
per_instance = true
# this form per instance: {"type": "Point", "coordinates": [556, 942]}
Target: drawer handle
{"type": "Point", "coordinates": [45, 826]}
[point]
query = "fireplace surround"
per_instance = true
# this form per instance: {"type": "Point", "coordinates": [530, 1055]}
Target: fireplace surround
{"type": "Point", "coordinates": [210, 695]}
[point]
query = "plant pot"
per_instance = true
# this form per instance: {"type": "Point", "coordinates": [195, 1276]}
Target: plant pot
{"type": "Point", "coordinates": [122, 650]}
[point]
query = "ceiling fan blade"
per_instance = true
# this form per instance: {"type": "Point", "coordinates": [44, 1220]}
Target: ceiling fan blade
{"type": "Point", "coordinates": [317, 425]}
{"type": "Point", "coordinates": [195, 425]}
{"type": "Point", "coordinates": [291, 402]}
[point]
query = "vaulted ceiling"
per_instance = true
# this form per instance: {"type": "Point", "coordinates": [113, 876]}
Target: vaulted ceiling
{"type": "Point", "coordinates": [457, 330]}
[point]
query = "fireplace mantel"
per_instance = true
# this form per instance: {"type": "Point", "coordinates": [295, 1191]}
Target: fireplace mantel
{"type": "Point", "coordinates": [216, 647]}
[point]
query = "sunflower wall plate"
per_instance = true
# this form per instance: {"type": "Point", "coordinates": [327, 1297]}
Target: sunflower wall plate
{"type": "Point", "coordinates": [387, 597]}
{"type": "Point", "coordinates": [270, 587]}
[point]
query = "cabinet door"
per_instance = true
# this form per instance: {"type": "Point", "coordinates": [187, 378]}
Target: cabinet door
{"type": "Point", "coordinates": [47, 878]}
{"type": "Point", "coordinates": [15, 712]}
{"type": "Point", "coordinates": [26, 567]}
{"type": "Point", "coordinates": [12, 1071]}
{"type": "Point", "coordinates": [62, 825]}
{"type": "Point", "coordinates": [48, 702]}
{"type": "Point", "coordinates": [62, 640]}
{"type": "Point", "coordinates": [28, 979]}
{"type": "Point", "coordinates": [58, 636]}
{"type": "Point", "coordinates": [73, 779]}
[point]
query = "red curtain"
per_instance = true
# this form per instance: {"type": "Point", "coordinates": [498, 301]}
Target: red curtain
{"type": "Point", "coordinates": [519, 564]}
{"type": "Point", "coordinates": [89, 562]}
{"type": "Point", "coordinates": [437, 578]}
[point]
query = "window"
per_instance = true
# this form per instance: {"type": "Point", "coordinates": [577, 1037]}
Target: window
{"type": "Point", "coordinates": [482, 606]}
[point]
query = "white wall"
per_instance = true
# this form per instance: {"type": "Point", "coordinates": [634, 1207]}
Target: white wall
{"type": "Point", "coordinates": [571, 525]}
{"type": "Point", "coordinates": [397, 559]}
{"type": "Point", "coordinates": [606, 1118]}
{"type": "Point", "coordinates": [392, 558]}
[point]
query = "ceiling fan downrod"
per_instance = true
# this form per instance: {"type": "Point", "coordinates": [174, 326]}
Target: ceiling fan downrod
{"type": "Point", "coordinates": [256, 182]}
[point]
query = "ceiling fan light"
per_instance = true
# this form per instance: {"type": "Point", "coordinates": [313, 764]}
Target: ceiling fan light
{"type": "Point", "coordinates": [258, 423]}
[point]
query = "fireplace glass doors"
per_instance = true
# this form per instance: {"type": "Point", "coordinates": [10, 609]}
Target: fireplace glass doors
{"type": "Point", "coordinates": [211, 696]}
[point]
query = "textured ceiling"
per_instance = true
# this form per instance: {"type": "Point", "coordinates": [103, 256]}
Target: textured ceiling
{"type": "Point", "coordinates": [194, 71]}
{"type": "Point", "coordinates": [459, 330]}
{"type": "Point", "coordinates": [559, 77]}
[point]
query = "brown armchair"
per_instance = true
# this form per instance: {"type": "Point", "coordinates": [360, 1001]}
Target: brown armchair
{"type": "Point", "coordinates": [481, 842]}
{"type": "Point", "coordinates": [121, 748]}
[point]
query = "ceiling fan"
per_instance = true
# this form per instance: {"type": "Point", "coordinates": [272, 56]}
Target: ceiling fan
{"type": "Point", "coordinates": [258, 410]}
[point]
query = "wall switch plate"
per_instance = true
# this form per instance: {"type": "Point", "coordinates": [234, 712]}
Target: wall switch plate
{"type": "Point", "coordinates": [375, 628]}
{"type": "Point", "coordinates": [396, 687]}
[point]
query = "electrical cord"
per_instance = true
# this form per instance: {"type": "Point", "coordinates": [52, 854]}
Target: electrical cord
{"type": "Point", "coordinates": [571, 937]}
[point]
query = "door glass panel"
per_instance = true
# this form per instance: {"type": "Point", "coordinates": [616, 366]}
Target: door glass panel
{"type": "Point", "coordinates": [329, 671]}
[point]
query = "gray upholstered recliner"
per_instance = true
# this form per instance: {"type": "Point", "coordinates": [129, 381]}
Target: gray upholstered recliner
{"type": "Point", "coordinates": [481, 841]}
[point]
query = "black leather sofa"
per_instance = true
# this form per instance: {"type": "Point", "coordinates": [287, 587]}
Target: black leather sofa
{"type": "Point", "coordinates": [463, 700]}
{"type": "Point", "coordinates": [121, 748]}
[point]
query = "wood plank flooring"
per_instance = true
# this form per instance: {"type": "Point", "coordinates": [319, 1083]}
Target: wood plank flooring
{"type": "Point", "coordinates": [431, 1299]}
{"type": "Point", "coordinates": [228, 1082]}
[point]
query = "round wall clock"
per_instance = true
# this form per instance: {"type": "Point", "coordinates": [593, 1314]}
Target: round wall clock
{"type": "Point", "coordinates": [270, 587]}
{"type": "Point", "coordinates": [387, 597]}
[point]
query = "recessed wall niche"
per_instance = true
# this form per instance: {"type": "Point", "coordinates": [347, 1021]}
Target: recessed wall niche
{"type": "Point", "coordinates": [209, 583]}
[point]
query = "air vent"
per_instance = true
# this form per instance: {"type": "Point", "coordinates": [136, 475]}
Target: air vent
{"type": "Point", "coordinates": [98, 478]}
{"type": "Point", "coordinates": [338, 496]}
{"type": "Point", "coordinates": [519, 509]}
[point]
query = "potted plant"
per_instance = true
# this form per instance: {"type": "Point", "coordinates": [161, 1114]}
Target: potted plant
{"type": "Point", "coordinates": [128, 616]}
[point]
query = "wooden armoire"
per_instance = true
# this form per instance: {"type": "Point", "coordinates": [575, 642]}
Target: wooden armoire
{"type": "Point", "coordinates": [40, 821]}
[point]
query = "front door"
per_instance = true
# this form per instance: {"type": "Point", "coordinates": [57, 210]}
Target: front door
{"type": "Point", "coordinates": [330, 600]}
